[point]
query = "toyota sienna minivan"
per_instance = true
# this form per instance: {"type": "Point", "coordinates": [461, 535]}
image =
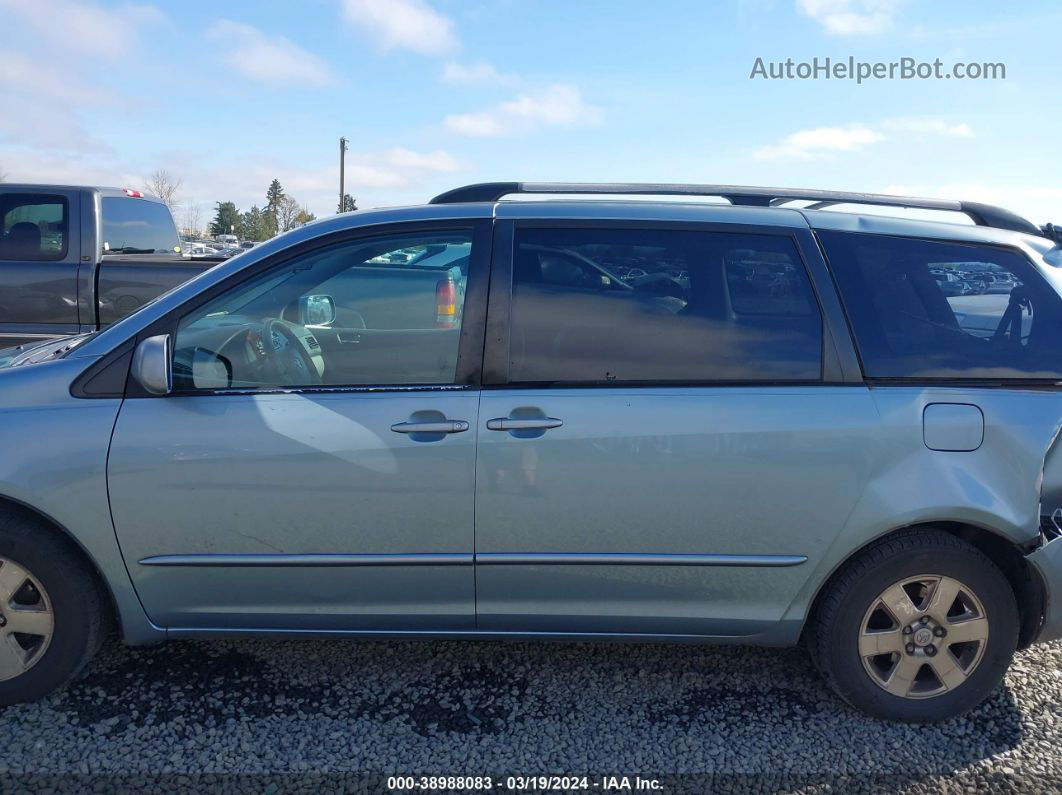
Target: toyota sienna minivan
{"type": "Point", "coordinates": [760, 419]}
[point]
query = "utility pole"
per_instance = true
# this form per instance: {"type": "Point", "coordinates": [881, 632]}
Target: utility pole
{"type": "Point", "coordinates": [342, 168]}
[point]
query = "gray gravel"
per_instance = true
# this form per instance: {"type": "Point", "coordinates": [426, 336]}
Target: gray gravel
{"type": "Point", "coordinates": [271, 716]}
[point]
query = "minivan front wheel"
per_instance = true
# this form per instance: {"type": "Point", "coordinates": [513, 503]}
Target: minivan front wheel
{"type": "Point", "coordinates": [51, 611]}
{"type": "Point", "coordinates": [27, 620]}
{"type": "Point", "coordinates": [921, 626]}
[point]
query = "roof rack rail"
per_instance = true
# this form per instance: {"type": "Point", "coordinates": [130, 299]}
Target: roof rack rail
{"type": "Point", "coordinates": [980, 214]}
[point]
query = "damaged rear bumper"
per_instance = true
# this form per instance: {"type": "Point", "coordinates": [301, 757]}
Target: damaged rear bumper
{"type": "Point", "coordinates": [1046, 559]}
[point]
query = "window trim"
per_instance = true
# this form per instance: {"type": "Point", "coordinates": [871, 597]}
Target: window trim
{"type": "Point", "coordinates": [931, 381]}
{"type": "Point", "coordinates": [834, 369]}
{"type": "Point", "coordinates": [68, 226]}
{"type": "Point", "coordinates": [470, 345]}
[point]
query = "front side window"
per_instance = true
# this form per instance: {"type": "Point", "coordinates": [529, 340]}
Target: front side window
{"type": "Point", "coordinates": [381, 311]}
{"type": "Point", "coordinates": [629, 305]}
{"type": "Point", "coordinates": [138, 226]}
{"type": "Point", "coordinates": [930, 309]}
{"type": "Point", "coordinates": [34, 227]}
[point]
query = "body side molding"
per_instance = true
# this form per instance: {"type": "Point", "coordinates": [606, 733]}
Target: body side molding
{"type": "Point", "coordinates": [487, 558]}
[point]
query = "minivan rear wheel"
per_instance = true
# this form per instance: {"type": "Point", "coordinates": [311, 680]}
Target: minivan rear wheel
{"type": "Point", "coordinates": [920, 626]}
{"type": "Point", "coordinates": [50, 611]}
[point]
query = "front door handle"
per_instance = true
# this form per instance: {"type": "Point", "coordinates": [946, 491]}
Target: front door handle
{"type": "Point", "coordinates": [446, 426]}
{"type": "Point", "coordinates": [510, 424]}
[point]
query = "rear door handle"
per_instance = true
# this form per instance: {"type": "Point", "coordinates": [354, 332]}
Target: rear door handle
{"type": "Point", "coordinates": [509, 424]}
{"type": "Point", "coordinates": [446, 426]}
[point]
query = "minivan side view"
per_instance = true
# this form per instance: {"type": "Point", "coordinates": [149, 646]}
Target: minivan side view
{"type": "Point", "coordinates": [775, 419]}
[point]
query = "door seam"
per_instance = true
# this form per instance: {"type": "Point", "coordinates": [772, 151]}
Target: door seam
{"type": "Point", "coordinates": [475, 498]}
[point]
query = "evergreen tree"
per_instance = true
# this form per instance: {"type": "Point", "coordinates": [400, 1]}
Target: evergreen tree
{"type": "Point", "coordinates": [349, 204]}
{"type": "Point", "coordinates": [226, 217]}
{"type": "Point", "coordinates": [274, 198]}
{"type": "Point", "coordinates": [252, 225]}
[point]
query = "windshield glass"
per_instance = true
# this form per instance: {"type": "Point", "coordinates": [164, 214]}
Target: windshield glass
{"type": "Point", "coordinates": [137, 226]}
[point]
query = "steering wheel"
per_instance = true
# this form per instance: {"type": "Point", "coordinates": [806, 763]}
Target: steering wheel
{"type": "Point", "coordinates": [286, 356]}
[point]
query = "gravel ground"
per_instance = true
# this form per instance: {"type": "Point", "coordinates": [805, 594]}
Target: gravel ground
{"type": "Point", "coordinates": [277, 716]}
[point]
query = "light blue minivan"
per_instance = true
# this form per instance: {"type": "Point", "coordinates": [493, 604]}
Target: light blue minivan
{"type": "Point", "coordinates": [773, 417]}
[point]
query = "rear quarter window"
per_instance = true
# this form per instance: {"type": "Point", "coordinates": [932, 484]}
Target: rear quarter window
{"type": "Point", "coordinates": [943, 310]}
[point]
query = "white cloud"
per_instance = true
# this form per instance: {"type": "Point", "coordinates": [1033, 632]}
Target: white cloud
{"type": "Point", "coordinates": [928, 127]}
{"type": "Point", "coordinates": [478, 125]}
{"type": "Point", "coordinates": [367, 172]}
{"type": "Point", "coordinates": [66, 169]}
{"type": "Point", "coordinates": [46, 82]}
{"type": "Point", "coordinates": [45, 87]}
{"type": "Point", "coordinates": [403, 24]}
{"type": "Point", "coordinates": [558, 105]}
{"type": "Point", "coordinates": [808, 144]}
{"type": "Point", "coordinates": [268, 58]}
{"type": "Point", "coordinates": [27, 121]}
{"type": "Point", "coordinates": [438, 160]}
{"type": "Point", "coordinates": [479, 72]}
{"type": "Point", "coordinates": [852, 17]}
{"type": "Point", "coordinates": [39, 104]}
{"type": "Point", "coordinates": [82, 27]}
{"type": "Point", "coordinates": [824, 141]}
{"type": "Point", "coordinates": [209, 177]}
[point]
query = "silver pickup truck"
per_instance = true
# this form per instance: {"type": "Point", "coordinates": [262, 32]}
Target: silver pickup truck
{"type": "Point", "coordinates": [75, 258]}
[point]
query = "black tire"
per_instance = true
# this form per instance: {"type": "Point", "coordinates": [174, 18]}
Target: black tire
{"type": "Point", "coordinates": [76, 602]}
{"type": "Point", "coordinates": [834, 634]}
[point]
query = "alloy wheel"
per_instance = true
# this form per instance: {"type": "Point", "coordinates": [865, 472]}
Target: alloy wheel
{"type": "Point", "coordinates": [923, 636]}
{"type": "Point", "coordinates": [27, 620]}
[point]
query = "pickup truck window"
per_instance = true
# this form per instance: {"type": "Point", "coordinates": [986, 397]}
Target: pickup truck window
{"type": "Point", "coordinates": [138, 226]}
{"type": "Point", "coordinates": [355, 314]}
{"type": "Point", "coordinates": [35, 227]}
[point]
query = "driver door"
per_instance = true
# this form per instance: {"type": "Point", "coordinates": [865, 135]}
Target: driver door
{"type": "Point", "coordinates": [314, 467]}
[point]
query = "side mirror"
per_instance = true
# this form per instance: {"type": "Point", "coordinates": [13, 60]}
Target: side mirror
{"type": "Point", "coordinates": [151, 366]}
{"type": "Point", "coordinates": [317, 310]}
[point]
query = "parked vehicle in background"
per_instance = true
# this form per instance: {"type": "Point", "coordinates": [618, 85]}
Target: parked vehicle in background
{"type": "Point", "coordinates": [952, 284]}
{"type": "Point", "coordinates": [752, 424]}
{"type": "Point", "coordinates": [1000, 284]}
{"type": "Point", "coordinates": [74, 258]}
{"type": "Point", "coordinates": [226, 241]}
{"type": "Point", "coordinates": [248, 244]}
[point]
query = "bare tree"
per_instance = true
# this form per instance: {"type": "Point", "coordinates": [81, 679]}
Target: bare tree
{"type": "Point", "coordinates": [288, 210]}
{"type": "Point", "coordinates": [193, 219]}
{"type": "Point", "coordinates": [161, 184]}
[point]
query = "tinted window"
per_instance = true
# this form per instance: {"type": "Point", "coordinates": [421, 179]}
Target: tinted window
{"type": "Point", "coordinates": [925, 309]}
{"type": "Point", "coordinates": [35, 227]}
{"type": "Point", "coordinates": [605, 305]}
{"type": "Point", "coordinates": [137, 226]}
{"type": "Point", "coordinates": [353, 314]}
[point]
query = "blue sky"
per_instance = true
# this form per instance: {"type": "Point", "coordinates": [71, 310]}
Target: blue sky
{"type": "Point", "coordinates": [437, 93]}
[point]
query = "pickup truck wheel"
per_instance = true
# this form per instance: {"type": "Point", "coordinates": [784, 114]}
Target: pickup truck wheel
{"type": "Point", "coordinates": [919, 627]}
{"type": "Point", "coordinates": [50, 612]}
